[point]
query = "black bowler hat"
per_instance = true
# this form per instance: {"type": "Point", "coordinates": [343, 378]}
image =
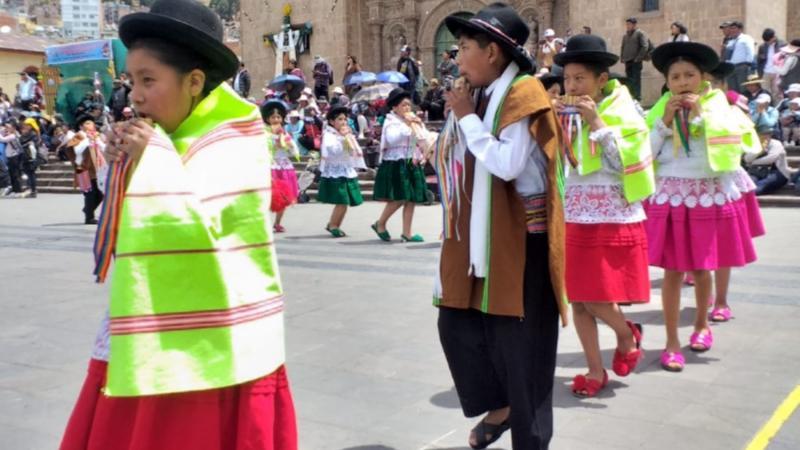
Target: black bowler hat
{"type": "Point", "coordinates": [396, 96]}
{"type": "Point", "coordinates": [723, 70]}
{"type": "Point", "coordinates": [335, 112]}
{"type": "Point", "coordinates": [187, 23]}
{"type": "Point", "coordinates": [273, 105]}
{"type": "Point", "coordinates": [701, 55]}
{"type": "Point", "coordinates": [548, 80]}
{"type": "Point", "coordinates": [586, 48]}
{"type": "Point", "coordinates": [502, 24]}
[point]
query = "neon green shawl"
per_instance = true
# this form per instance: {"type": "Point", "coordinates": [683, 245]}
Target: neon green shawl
{"type": "Point", "coordinates": [196, 299]}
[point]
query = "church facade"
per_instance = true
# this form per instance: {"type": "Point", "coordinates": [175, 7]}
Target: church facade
{"type": "Point", "coordinates": [374, 30]}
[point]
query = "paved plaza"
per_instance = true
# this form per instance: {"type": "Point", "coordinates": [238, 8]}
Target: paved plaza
{"type": "Point", "coordinates": [364, 359]}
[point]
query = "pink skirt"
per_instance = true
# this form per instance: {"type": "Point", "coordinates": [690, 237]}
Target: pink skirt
{"type": "Point", "coordinates": [285, 189]}
{"type": "Point", "coordinates": [693, 225]}
{"type": "Point", "coordinates": [607, 263]}
{"type": "Point", "coordinates": [288, 176]}
{"type": "Point", "coordinates": [258, 415]}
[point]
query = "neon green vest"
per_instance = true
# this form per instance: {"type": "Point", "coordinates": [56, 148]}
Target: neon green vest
{"type": "Point", "coordinates": [618, 111]}
{"type": "Point", "coordinates": [196, 299]}
{"type": "Point", "coordinates": [725, 136]}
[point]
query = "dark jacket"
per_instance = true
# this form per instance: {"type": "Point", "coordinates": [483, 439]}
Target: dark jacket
{"type": "Point", "coordinates": [763, 51]}
{"type": "Point", "coordinates": [409, 68]}
{"type": "Point", "coordinates": [634, 46]}
{"type": "Point", "coordinates": [244, 83]}
{"type": "Point", "coordinates": [434, 104]}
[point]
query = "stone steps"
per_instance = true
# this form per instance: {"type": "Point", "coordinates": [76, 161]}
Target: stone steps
{"type": "Point", "coordinates": [57, 178]}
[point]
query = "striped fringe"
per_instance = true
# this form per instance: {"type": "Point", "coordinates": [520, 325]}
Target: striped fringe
{"type": "Point", "coordinates": [448, 172]}
{"type": "Point", "coordinates": [106, 238]}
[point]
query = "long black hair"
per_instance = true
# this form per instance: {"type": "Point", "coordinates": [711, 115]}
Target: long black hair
{"type": "Point", "coordinates": [681, 28]}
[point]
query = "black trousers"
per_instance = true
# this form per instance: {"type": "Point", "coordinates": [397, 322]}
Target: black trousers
{"type": "Point", "coordinates": [633, 70]}
{"type": "Point", "coordinates": [321, 91]}
{"type": "Point", "coordinates": [91, 200]}
{"type": "Point", "coordinates": [499, 361]}
{"type": "Point", "coordinates": [5, 177]}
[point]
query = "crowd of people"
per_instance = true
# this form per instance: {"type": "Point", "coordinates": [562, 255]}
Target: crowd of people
{"type": "Point", "coordinates": [552, 203]}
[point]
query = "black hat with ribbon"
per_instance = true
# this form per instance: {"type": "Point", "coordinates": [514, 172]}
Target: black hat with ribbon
{"type": "Point", "coordinates": [587, 49]}
{"type": "Point", "coordinates": [502, 25]}
{"type": "Point", "coordinates": [701, 55]}
{"type": "Point", "coordinates": [187, 23]}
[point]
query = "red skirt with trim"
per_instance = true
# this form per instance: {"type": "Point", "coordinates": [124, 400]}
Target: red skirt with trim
{"type": "Point", "coordinates": [607, 263]}
{"type": "Point", "coordinates": [258, 415]}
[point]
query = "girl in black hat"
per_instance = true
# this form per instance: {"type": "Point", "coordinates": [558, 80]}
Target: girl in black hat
{"type": "Point", "coordinates": [340, 157]}
{"type": "Point", "coordinates": [698, 145]}
{"type": "Point", "coordinates": [282, 148]}
{"type": "Point", "coordinates": [606, 239]}
{"type": "Point", "coordinates": [191, 352]}
{"type": "Point", "coordinates": [400, 180]}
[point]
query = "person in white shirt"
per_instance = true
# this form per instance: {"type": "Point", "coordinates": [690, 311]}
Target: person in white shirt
{"type": "Point", "coordinates": [26, 91]}
{"type": "Point", "coordinates": [500, 279]}
{"type": "Point", "coordinates": [739, 51]}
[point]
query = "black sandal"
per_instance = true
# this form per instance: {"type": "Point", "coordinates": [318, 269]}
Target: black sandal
{"type": "Point", "coordinates": [483, 429]}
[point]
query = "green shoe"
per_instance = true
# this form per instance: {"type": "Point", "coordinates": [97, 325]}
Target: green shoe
{"type": "Point", "coordinates": [335, 232]}
{"type": "Point", "coordinates": [384, 235]}
{"type": "Point", "coordinates": [414, 238]}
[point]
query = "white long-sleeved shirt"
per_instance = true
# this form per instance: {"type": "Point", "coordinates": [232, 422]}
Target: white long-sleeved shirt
{"type": "Point", "coordinates": [775, 154]}
{"type": "Point", "coordinates": [513, 155]}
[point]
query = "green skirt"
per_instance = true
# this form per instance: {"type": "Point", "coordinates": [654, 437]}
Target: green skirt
{"type": "Point", "coordinates": [400, 181]}
{"type": "Point", "coordinates": [340, 191]}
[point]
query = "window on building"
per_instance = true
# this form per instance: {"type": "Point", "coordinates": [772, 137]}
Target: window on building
{"type": "Point", "coordinates": [445, 40]}
{"type": "Point", "coordinates": [650, 5]}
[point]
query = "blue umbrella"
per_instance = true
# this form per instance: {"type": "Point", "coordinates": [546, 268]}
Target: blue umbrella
{"type": "Point", "coordinates": [362, 77]}
{"type": "Point", "coordinates": [392, 76]}
{"type": "Point", "coordinates": [282, 83]}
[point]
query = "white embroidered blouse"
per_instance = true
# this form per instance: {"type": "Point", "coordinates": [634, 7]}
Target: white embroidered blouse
{"type": "Point", "coordinates": [598, 197]}
{"type": "Point", "coordinates": [337, 158]}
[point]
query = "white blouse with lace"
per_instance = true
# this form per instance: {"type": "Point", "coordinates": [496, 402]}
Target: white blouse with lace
{"type": "Point", "coordinates": [282, 157]}
{"type": "Point", "coordinates": [598, 197]}
{"type": "Point", "coordinates": [397, 140]}
{"type": "Point", "coordinates": [687, 178]}
{"type": "Point", "coordinates": [336, 160]}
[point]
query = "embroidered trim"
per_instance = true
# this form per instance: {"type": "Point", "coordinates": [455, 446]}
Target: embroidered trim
{"type": "Point", "coordinates": [721, 140]}
{"type": "Point", "coordinates": [641, 165]}
{"type": "Point", "coordinates": [536, 213]}
{"type": "Point", "coordinates": [233, 130]}
{"type": "Point", "coordinates": [196, 320]}
{"type": "Point", "coordinates": [194, 251]}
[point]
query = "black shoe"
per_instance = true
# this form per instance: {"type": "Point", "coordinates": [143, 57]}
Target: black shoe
{"type": "Point", "coordinates": [90, 221]}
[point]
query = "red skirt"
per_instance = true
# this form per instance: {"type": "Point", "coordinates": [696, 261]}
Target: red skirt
{"type": "Point", "coordinates": [607, 263]}
{"type": "Point", "coordinates": [258, 415]}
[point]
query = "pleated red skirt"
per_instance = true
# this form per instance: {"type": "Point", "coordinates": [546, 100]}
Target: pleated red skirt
{"type": "Point", "coordinates": [607, 263]}
{"type": "Point", "coordinates": [253, 416]}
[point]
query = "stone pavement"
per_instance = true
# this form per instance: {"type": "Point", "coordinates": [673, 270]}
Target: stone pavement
{"type": "Point", "coordinates": [364, 360]}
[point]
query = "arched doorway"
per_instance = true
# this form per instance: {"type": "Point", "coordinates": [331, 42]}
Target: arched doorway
{"type": "Point", "coordinates": [444, 39]}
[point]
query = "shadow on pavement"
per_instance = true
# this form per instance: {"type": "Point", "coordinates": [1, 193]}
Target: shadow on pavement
{"type": "Point", "coordinates": [370, 447]}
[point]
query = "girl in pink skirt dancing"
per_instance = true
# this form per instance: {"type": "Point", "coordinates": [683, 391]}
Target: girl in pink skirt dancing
{"type": "Point", "coordinates": [696, 222]}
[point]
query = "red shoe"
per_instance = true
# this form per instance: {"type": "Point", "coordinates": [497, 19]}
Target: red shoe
{"type": "Point", "coordinates": [279, 229]}
{"type": "Point", "coordinates": [623, 365]}
{"type": "Point", "coordinates": [585, 387]}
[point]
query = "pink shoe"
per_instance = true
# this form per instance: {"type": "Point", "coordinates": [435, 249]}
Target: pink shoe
{"type": "Point", "coordinates": [723, 314]}
{"type": "Point", "coordinates": [279, 229]}
{"type": "Point", "coordinates": [701, 342]}
{"type": "Point", "coordinates": [672, 361]}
